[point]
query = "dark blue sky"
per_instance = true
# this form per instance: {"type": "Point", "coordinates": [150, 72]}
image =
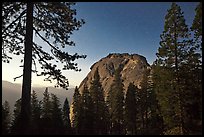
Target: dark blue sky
{"type": "Point", "coordinates": [132, 27]}
{"type": "Point", "coordinates": [121, 27]}
{"type": "Point", "coordinates": [112, 27]}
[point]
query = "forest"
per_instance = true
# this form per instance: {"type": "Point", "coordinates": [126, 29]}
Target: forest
{"type": "Point", "coordinates": [169, 101]}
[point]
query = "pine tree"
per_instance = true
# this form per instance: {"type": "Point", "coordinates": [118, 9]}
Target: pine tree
{"type": "Point", "coordinates": [56, 116]}
{"type": "Point", "coordinates": [57, 22]}
{"type": "Point", "coordinates": [149, 119]}
{"type": "Point", "coordinates": [46, 115]}
{"type": "Point", "coordinates": [116, 104]}
{"type": "Point", "coordinates": [165, 94]}
{"type": "Point", "coordinates": [197, 68]}
{"type": "Point", "coordinates": [76, 105]}
{"type": "Point", "coordinates": [66, 117]}
{"type": "Point", "coordinates": [143, 101]}
{"type": "Point", "coordinates": [109, 102]}
{"type": "Point", "coordinates": [86, 114]}
{"type": "Point", "coordinates": [16, 126]}
{"type": "Point", "coordinates": [99, 106]}
{"type": "Point", "coordinates": [155, 120]}
{"type": "Point", "coordinates": [35, 113]}
{"type": "Point", "coordinates": [46, 105]}
{"type": "Point", "coordinates": [6, 118]}
{"type": "Point", "coordinates": [172, 55]}
{"type": "Point", "coordinates": [131, 110]}
{"type": "Point", "coordinates": [197, 25]}
{"type": "Point", "coordinates": [193, 77]}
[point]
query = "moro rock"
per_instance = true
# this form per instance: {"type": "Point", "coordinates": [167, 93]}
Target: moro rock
{"type": "Point", "coordinates": [133, 67]}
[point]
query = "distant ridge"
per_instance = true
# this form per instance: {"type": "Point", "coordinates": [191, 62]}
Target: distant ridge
{"type": "Point", "coordinates": [12, 92]}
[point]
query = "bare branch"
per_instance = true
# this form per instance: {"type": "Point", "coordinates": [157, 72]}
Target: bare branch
{"type": "Point", "coordinates": [17, 77]}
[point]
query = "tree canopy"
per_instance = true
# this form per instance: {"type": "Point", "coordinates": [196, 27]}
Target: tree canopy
{"type": "Point", "coordinates": [53, 22]}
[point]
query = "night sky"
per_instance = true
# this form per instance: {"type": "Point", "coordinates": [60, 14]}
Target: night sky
{"type": "Point", "coordinates": [111, 27]}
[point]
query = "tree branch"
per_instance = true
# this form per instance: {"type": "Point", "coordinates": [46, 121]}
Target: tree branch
{"type": "Point", "coordinates": [22, 13]}
{"type": "Point", "coordinates": [35, 71]}
{"type": "Point", "coordinates": [45, 39]}
{"type": "Point", "coordinates": [17, 77]}
{"type": "Point", "coordinates": [52, 71]}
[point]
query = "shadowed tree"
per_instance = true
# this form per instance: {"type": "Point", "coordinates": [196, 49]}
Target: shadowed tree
{"type": "Point", "coordinates": [66, 118]}
{"type": "Point", "coordinates": [174, 75]}
{"type": "Point", "coordinates": [56, 116]}
{"type": "Point", "coordinates": [15, 126]}
{"type": "Point", "coordinates": [197, 25]}
{"type": "Point", "coordinates": [115, 102]}
{"type": "Point", "coordinates": [131, 110]}
{"type": "Point", "coordinates": [86, 115]}
{"type": "Point", "coordinates": [35, 113]}
{"type": "Point", "coordinates": [6, 118]}
{"type": "Point", "coordinates": [46, 105]}
{"type": "Point", "coordinates": [76, 105]}
{"type": "Point", "coordinates": [53, 23]}
{"type": "Point", "coordinates": [46, 114]}
{"type": "Point", "coordinates": [143, 101]}
{"type": "Point", "coordinates": [148, 107]}
{"type": "Point", "coordinates": [193, 77]}
{"type": "Point", "coordinates": [99, 106]}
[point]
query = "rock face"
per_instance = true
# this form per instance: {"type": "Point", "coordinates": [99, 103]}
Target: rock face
{"type": "Point", "coordinates": [132, 65]}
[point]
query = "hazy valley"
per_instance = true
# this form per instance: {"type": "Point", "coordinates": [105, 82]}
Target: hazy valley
{"type": "Point", "coordinates": [12, 92]}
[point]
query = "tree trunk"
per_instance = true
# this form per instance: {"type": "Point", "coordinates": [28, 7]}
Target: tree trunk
{"type": "Point", "coordinates": [26, 85]}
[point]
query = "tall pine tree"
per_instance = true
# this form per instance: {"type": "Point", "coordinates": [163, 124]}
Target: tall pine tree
{"type": "Point", "coordinates": [35, 113]}
{"type": "Point", "coordinates": [56, 116]}
{"type": "Point", "coordinates": [57, 21]}
{"type": "Point", "coordinates": [193, 77]}
{"type": "Point", "coordinates": [116, 104]}
{"type": "Point", "coordinates": [16, 126]}
{"type": "Point", "coordinates": [46, 120]}
{"type": "Point", "coordinates": [99, 106]}
{"type": "Point", "coordinates": [197, 25]}
{"type": "Point", "coordinates": [76, 106]}
{"type": "Point", "coordinates": [6, 118]}
{"type": "Point", "coordinates": [86, 115]}
{"type": "Point", "coordinates": [46, 105]}
{"type": "Point", "coordinates": [155, 120]}
{"type": "Point", "coordinates": [143, 102]}
{"type": "Point", "coordinates": [172, 55]}
{"type": "Point", "coordinates": [66, 117]}
{"type": "Point", "coordinates": [131, 110]}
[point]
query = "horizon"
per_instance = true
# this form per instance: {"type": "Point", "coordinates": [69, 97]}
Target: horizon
{"type": "Point", "coordinates": [36, 85]}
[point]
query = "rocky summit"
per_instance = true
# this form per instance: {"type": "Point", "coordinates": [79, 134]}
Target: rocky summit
{"type": "Point", "coordinates": [133, 67]}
